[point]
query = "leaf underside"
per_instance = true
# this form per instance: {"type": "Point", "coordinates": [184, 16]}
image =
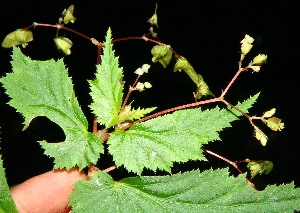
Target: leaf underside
{"type": "Point", "coordinates": [177, 137]}
{"type": "Point", "coordinates": [43, 88]}
{"type": "Point", "coordinates": [194, 191]}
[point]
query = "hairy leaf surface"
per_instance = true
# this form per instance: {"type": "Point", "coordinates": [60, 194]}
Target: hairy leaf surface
{"type": "Point", "coordinates": [43, 88]}
{"type": "Point", "coordinates": [107, 88]}
{"type": "Point", "coordinates": [177, 137]}
{"type": "Point", "coordinates": [208, 191]}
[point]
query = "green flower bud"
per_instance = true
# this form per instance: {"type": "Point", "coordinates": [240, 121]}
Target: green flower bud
{"type": "Point", "coordinates": [260, 59]}
{"type": "Point", "coordinates": [275, 124]}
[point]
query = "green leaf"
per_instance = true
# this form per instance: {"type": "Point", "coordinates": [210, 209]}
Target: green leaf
{"type": "Point", "coordinates": [177, 137]}
{"type": "Point", "coordinates": [162, 54]}
{"type": "Point", "coordinates": [202, 87]}
{"type": "Point", "coordinates": [16, 38]}
{"type": "Point", "coordinates": [129, 114]}
{"type": "Point", "coordinates": [107, 88]}
{"type": "Point", "coordinates": [43, 88]}
{"type": "Point", "coordinates": [208, 191]}
{"type": "Point", "coordinates": [6, 201]}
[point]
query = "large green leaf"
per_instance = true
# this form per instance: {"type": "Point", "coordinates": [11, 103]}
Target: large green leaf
{"type": "Point", "coordinates": [107, 88]}
{"type": "Point", "coordinates": [209, 191]}
{"type": "Point", "coordinates": [43, 88]}
{"type": "Point", "coordinates": [177, 137]}
{"type": "Point", "coordinates": [6, 201]}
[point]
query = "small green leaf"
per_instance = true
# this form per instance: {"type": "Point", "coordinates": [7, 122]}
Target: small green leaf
{"type": "Point", "coordinates": [106, 89]}
{"type": "Point", "coordinates": [129, 114]}
{"type": "Point", "coordinates": [43, 88]}
{"type": "Point", "coordinates": [205, 192]}
{"type": "Point", "coordinates": [202, 88]}
{"type": "Point", "coordinates": [17, 37]}
{"type": "Point", "coordinates": [177, 137]}
{"type": "Point", "coordinates": [63, 44]}
{"type": "Point", "coordinates": [260, 167]}
{"type": "Point", "coordinates": [162, 54]}
{"type": "Point", "coordinates": [6, 201]}
{"type": "Point", "coordinates": [68, 16]}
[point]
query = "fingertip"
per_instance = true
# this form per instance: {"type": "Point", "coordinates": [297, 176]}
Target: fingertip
{"type": "Point", "coordinates": [48, 192]}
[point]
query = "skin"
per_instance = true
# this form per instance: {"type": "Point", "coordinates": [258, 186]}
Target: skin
{"type": "Point", "coordinates": [47, 193]}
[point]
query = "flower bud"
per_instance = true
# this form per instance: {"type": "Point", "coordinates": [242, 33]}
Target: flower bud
{"type": "Point", "coordinates": [275, 124]}
{"type": "Point", "coordinates": [260, 59]}
{"type": "Point", "coordinates": [147, 85]}
{"type": "Point", "coordinates": [246, 44]}
{"type": "Point", "coordinates": [140, 86]}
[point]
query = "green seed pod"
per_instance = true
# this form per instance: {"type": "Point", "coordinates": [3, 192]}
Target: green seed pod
{"type": "Point", "coordinates": [17, 37]}
{"type": "Point", "coordinates": [64, 45]}
{"type": "Point", "coordinates": [260, 167]}
{"type": "Point", "coordinates": [275, 124]}
{"type": "Point", "coordinates": [68, 16]}
{"type": "Point", "coordinates": [162, 54]}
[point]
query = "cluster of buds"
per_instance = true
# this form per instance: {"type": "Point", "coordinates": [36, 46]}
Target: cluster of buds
{"type": "Point", "coordinates": [143, 69]}
{"type": "Point", "coordinates": [273, 123]}
{"type": "Point", "coordinates": [142, 86]}
{"type": "Point", "coordinates": [259, 60]}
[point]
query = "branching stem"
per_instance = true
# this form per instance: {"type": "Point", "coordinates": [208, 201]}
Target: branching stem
{"type": "Point", "coordinates": [231, 163]}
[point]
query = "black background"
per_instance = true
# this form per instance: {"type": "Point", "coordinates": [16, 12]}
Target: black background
{"type": "Point", "coordinates": [207, 33]}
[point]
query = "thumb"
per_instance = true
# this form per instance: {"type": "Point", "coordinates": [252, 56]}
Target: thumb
{"type": "Point", "coordinates": [48, 192]}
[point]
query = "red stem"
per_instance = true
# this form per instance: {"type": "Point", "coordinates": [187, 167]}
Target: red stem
{"type": "Point", "coordinates": [172, 110]}
{"type": "Point", "coordinates": [128, 94]}
{"type": "Point", "coordinates": [231, 163]}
